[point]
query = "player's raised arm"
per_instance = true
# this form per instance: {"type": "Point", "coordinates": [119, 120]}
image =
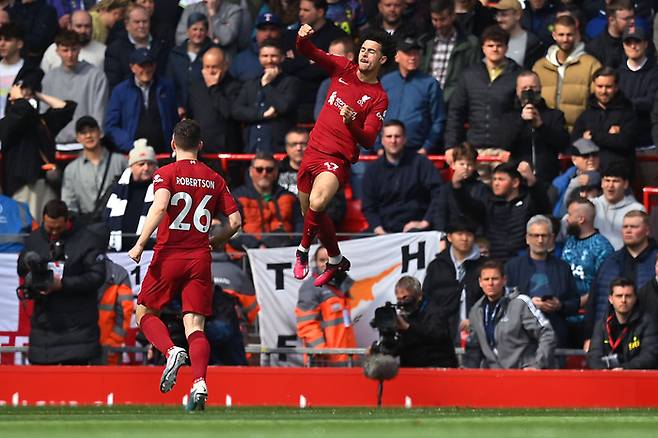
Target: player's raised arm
{"type": "Point", "coordinates": [320, 57]}
{"type": "Point", "coordinates": [153, 218]}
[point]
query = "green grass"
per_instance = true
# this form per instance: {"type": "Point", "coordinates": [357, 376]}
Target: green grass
{"type": "Point", "coordinates": [164, 422]}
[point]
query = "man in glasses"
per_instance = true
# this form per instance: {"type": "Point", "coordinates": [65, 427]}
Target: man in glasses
{"type": "Point", "coordinates": [353, 114]}
{"type": "Point", "coordinates": [266, 206]}
{"type": "Point", "coordinates": [546, 279]}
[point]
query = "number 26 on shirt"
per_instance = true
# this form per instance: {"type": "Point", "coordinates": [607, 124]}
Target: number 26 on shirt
{"type": "Point", "coordinates": [199, 212]}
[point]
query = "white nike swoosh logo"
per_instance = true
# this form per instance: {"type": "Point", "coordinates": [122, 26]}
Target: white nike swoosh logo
{"type": "Point", "coordinates": [342, 81]}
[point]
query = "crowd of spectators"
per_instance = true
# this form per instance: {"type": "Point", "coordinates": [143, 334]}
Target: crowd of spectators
{"type": "Point", "coordinates": [536, 253]}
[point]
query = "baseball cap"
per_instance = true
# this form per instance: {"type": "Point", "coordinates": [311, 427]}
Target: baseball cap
{"type": "Point", "coordinates": [504, 5]}
{"type": "Point", "coordinates": [141, 56]}
{"type": "Point", "coordinates": [408, 44]}
{"type": "Point", "coordinates": [268, 19]}
{"type": "Point", "coordinates": [634, 33]}
{"type": "Point", "coordinates": [141, 151]}
{"type": "Point", "coordinates": [582, 146]}
{"type": "Point", "coordinates": [86, 122]}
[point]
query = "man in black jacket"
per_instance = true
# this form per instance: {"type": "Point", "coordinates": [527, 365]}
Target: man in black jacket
{"type": "Point", "coordinates": [609, 121]}
{"type": "Point", "coordinates": [486, 90]}
{"type": "Point", "coordinates": [210, 101]}
{"type": "Point", "coordinates": [65, 318]}
{"type": "Point", "coordinates": [451, 279]}
{"type": "Point", "coordinates": [505, 212]}
{"type": "Point", "coordinates": [533, 132]}
{"type": "Point", "coordinates": [607, 47]}
{"type": "Point", "coordinates": [267, 105]}
{"type": "Point", "coordinates": [626, 338]}
{"type": "Point", "coordinates": [424, 338]}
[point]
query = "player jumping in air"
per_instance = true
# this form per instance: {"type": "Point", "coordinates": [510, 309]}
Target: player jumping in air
{"type": "Point", "coordinates": [187, 195]}
{"type": "Point", "coordinates": [353, 114]}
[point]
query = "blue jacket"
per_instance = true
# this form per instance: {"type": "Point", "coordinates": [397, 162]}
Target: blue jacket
{"type": "Point", "coordinates": [598, 24]}
{"type": "Point", "coordinates": [15, 219]}
{"type": "Point", "coordinates": [122, 118]}
{"type": "Point", "coordinates": [519, 272]}
{"type": "Point", "coordinates": [246, 66]}
{"type": "Point", "coordinates": [396, 194]}
{"type": "Point", "coordinates": [561, 182]}
{"type": "Point", "coordinates": [613, 267]}
{"type": "Point", "coordinates": [417, 101]}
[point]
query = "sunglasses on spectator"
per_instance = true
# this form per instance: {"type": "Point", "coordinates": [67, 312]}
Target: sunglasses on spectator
{"type": "Point", "coordinates": [267, 170]}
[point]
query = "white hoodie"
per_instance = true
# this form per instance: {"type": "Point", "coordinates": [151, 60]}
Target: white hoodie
{"type": "Point", "coordinates": [610, 217]}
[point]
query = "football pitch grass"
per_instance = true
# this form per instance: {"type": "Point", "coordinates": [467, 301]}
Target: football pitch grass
{"type": "Point", "coordinates": [164, 422]}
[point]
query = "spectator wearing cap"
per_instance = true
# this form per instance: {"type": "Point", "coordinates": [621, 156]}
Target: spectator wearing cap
{"type": "Point", "coordinates": [614, 203]}
{"type": "Point", "coordinates": [448, 49]}
{"type": "Point", "coordinates": [184, 63]}
{"type": "Point", "coordinates": [143, 106]}
{"type": "Point", "coordinates": [401, 189]}
{"type": "Point", "coordinates": [415, 99]}
{"type": "Point", "coordinates": [485, 91]}
{"type": "Point", "coordinates": [451, 279]}
{"type": "Point", "coordinates": [12, 66]}
{"type": "Point", "coordinates": [90, 176]}
{"type": "Point", "coordinates": [546, 279]}
{"type": "Point", "coordinates": [533, 132]}
{"type": "Point", "coordinates": [39, 21]}
{"type": "Point", "coordinates": [609, 121]}
{"type": "Point", "coordinates": [524, 47]}
{"type": "Point", "coordinates": [117, 56]}
{"type": "Point", "coordinates": [607, 46]}
{"type": "Point", "coordinates": [516, 197]}
{"type": "Point", "coordinates": [91, 50]}
{"type": "Point", "coordinates": [267, 105]}
{"type": "Point", "coordinates": [224, 19]}
{"type": "Point", "coordinates": [78, 81]}
{"type": "Point", "coordinates": [28, 172]}
{"type": "Point", "coordinates": [584, 173]}
{"type": "Point", "coordinates": [245, 66]}
{"type": "Point", "coordinates": [313, 13]}
{"type": "Point", "coordinates": [132, 196]}
{"type": "Point", "coordinates": [585, 249]}
{"type": "Point", "coordinates": [211, 101]}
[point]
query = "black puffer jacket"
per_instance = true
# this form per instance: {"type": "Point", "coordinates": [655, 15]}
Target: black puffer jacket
{"type": "Point", "coordinates": [614, 147]}
{"type": "Point", "coordinates": [638, 349]}
{"type": "Point", "coordinates": [65, 322]}
{"type": "Point", "coordinates": [480, 103]}
{"type": "Point", "coordinates": [442, 287]}
{"type": "Point", "coordinates": [641, 87]}
{"type": "Point", "coordinates": [505, 221]}
{"type": "Point", "coordinates": [448, 209]}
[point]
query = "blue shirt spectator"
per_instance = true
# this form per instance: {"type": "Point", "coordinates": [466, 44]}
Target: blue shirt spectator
{"type": "Point", "coordinates": [15, 219]}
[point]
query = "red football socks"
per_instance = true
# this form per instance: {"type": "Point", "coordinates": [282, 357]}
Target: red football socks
{"type": "Point", "coordinates": [312, 220]}
{"type": "Point", "coordinates": [156, 332]}
{"type": "Point", "coordinates": [199, 354]}
{"type": "Point", "coordinates": [327, 235]}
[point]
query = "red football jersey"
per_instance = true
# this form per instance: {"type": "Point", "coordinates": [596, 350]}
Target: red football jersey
{"type": "Point", "coordinates": [198, 194]}
{"type": "Point", "coordinates": [330, 134]}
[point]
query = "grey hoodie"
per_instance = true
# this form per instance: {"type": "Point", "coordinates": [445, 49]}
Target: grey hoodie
{"type": "Point", "coordinates": [524, 337]}
{"type": "Point", "coordinates": [610, 217]}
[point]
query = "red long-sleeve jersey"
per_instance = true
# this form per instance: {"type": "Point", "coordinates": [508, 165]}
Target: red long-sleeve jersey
{"type": "Point", "coordinates": [330, 134]}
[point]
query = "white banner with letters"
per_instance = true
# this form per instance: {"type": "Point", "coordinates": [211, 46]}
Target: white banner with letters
{"type": "Point", "coordinates": [377, 264]}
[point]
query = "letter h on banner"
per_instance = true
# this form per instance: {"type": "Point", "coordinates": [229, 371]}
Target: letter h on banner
{"type": "Point", "coordinates": [408, 256]}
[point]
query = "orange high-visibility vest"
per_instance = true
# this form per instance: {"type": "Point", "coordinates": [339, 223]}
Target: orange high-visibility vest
{"type": "Point", "coordinates": [115, 308]}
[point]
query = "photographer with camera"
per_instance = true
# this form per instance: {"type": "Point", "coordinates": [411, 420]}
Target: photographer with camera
{"type": "Point", "coordinates": [423, 335]}
{"type": "Point", "coordinates": [626, 337]}
{"type": "Point", "coordinates": [533, 132]}
{"type": "Point", "coordinates": [62, 270]}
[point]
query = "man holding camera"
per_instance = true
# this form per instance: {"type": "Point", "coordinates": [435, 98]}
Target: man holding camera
{"type": "Point", "coordinates": [423, 335]}
{"type": "Point", "coordinates": [62, 269]}
{"type": "Point", "coordinates": [534, 132]}
{"type": "Point", "coordinates": [626, 338]}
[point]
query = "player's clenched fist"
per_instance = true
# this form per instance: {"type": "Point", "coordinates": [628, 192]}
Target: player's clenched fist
{"type": "Point", "coordinates": [135, 252]}
{"type": "Point", "coordinates": [305, 30]}
{"type": "Point", "coordinates": [347, 114]}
